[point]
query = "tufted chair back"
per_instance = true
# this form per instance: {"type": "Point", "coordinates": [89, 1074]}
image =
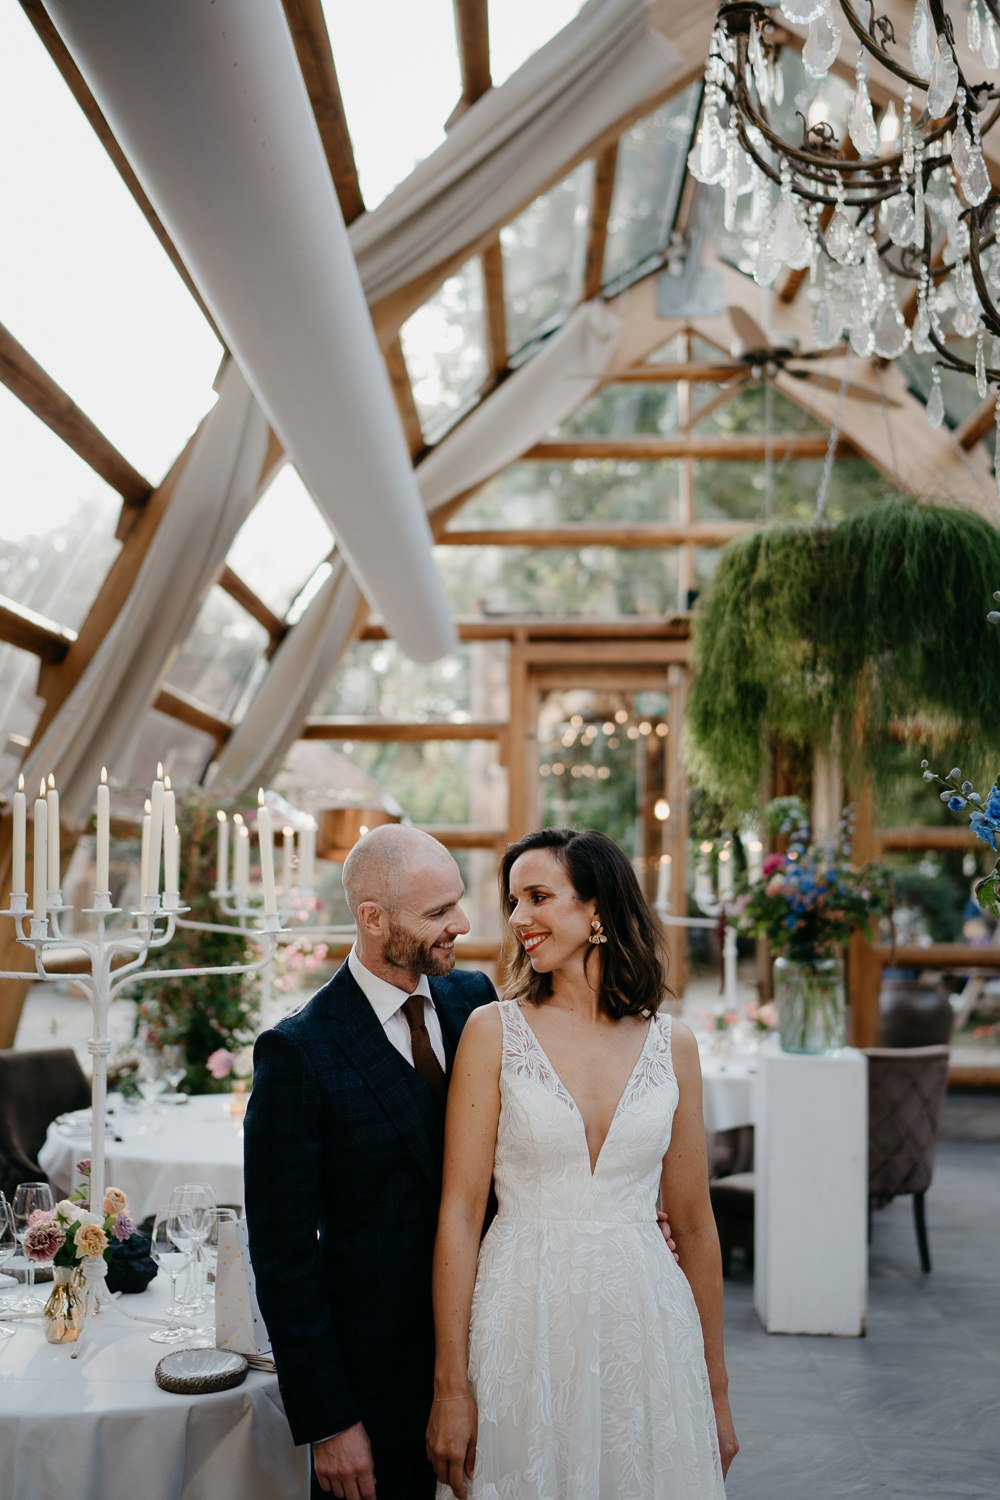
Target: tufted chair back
{"type": "Point", "coordinates": [35, 1087]}
{"type": "Point", "coordinates": [906, 1089]}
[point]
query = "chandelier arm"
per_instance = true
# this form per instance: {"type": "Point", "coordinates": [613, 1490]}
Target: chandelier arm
{"type": "Point", "coordinates": [989, 314]}
{"type": "Point", "coordinates": [866, 37]}
{"type": "Point", "coordinates": [953, 361]}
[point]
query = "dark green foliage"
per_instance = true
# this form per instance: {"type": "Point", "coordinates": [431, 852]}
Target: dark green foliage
{"type": "Point", "coordinates": [811, 631]}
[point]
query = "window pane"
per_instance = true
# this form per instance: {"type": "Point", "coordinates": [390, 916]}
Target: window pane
{"type": "Point", "coordinates": [433, 782]}
{"type": "Point", "coordinates": [399, 77]}
{"type": "Point", "coordinates": [746, 412]}
{"type": "Point", "coordinates": [57, 519]}
{"type": "Point", "coordinates": [376, 680]}
{"type": "Point", "coordinates": [19, 707]}
{"type": "Point", "coordinates": [89, 290]}
{"type": "Point", "coordinates": [281, 542]}
{"type": "Point", "coordinates": [185, 752]}
{"type": "Point", "coordinates": [624, 410]}
{"type": "Point", "coordinates": [651, 164]}
{"type": "Point", "coordinates": [444, 345]}
{"type": "Point", "coordinates": [221, 655]}
{"type": "Point", "coordinates": [591, 491]}
{"type": "Point", "coordinates": [543, 257]}
{"type": "Point", "coordinates": [518, 28]}
{"type": "Point", "coordinates": [559, 581]}
{"type": "Point", "coordinates": [737, 490]}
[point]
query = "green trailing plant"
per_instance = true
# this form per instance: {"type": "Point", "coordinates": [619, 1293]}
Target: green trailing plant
{"type": "Point", "coordinates": [202, 1013]}
{"type": "Point", "coordinates": [823, 635]}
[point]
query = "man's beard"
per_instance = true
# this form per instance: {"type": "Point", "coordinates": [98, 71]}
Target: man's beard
{"type": "Point", "coordinates": [406, 952]}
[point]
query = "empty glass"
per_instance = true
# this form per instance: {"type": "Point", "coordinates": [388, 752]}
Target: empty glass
{"type": "Point", "coordinates": [8, 1244]}
{"type": "Point", "coordinates": [173, 1259]}
{"type": "Point", "coordinates": [191, 1207]}
{"type": "Point", "coordinates": [173, 1066]}
{"type": "Point", "coordinates": [151, 1080]}
{"type": "Point", "coordinates": [29, 1198]}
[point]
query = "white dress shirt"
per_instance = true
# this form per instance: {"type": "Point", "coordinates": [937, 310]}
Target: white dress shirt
{"type": "Point", "coordinates": [386, 1000]}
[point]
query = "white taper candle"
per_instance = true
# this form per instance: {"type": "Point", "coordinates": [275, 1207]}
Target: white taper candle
{"type": "Point", "coordinates": [19, 840]}
{"type": "Point", "coordinates": [40, 868]}
{"type": "Point", "coordinates": [103, 850]}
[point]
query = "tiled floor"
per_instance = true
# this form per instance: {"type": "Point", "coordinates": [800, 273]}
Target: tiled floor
{"type": "Point", "coordinates": [912, 1409]}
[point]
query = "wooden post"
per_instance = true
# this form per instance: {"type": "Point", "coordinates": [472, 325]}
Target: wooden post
{"type": "Point", "coordinates": [864, 964]}
{"type": "Point", "coordinates": [676, 840]}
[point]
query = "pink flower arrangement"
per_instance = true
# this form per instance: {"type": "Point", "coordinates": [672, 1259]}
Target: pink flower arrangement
{"type": "Point", "coordinates": [222, 1063]}
{"type": "Point", "coordinates": [43, 1238]}
{"type": "Point", "coordinates": [763, 1017]}
{"type": "Point", "coordinates": [70, 1233]}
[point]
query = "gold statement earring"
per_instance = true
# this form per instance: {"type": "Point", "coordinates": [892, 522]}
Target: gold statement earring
{"type": "Point", "coordinates": [597, 935]}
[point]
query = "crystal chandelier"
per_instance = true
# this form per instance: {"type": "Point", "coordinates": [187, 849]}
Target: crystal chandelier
{"type": "Point", "coordinates": [905, 201]}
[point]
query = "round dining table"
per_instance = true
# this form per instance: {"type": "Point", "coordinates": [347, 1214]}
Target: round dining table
{"type": "Point", "coordinates": [150, 1150]}
{"type": "Point", "coordinates": [729, 1089]}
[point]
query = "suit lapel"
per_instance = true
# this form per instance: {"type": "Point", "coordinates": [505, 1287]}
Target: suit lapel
{"type": "Point", "coordinates": [452, 1016]}
{"type": "Point", "coordinates": [358, 1032]}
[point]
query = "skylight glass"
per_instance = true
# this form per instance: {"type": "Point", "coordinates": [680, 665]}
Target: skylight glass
{"type": "Point", "coordinates": [400, 80]}
{"type": "Point", "coordinates": [559, 581]}
{"type": "Point", "coordinates": [57, 519]}
{"type": "Point", "coordinates": [281, 542]}
{"type": "Point", "coordinates": [543, 257]}
{"type": "Point", "coordinates": [220, 654]}
{"type": "Point", "coordinates": [590, 492]}
{"type": "Point", "coordinates": [624, 411]}
{"type": "Point", "coordinates": [87, 288]}
{"type": "Point", "coordinates": [444, 345]}
{"type": "Point", "coordinates": [652, 159]}
{"type": "Point", "coordinates": [20, 707]}
{"type": "Point", "coordinates": [519, 28]}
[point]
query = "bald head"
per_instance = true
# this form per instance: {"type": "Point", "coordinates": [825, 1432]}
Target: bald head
{"type": "Point", "coordinates": [388, 865]}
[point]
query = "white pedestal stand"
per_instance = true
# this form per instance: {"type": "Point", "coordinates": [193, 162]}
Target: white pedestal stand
{"type": "Point", "coordinates": [811, 1154]}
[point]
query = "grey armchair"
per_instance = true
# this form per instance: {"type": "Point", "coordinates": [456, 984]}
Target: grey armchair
{"type": "Point", "coordinates": [906, 1089]}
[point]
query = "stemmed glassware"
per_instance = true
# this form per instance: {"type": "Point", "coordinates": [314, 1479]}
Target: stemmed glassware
{"type": "Point", "coordinates": [8, 1244]}
{"type": "Point", "coordinates": [151, 1080]}
{"type": "Point", "coordinates": [29, 1198]}
{"type": "Point", "coordinates": [171, 1257]}
{"type": "Point", "coordinates": [173, 1066]}
{"type": "Point", "coordinates": [192, 1205]}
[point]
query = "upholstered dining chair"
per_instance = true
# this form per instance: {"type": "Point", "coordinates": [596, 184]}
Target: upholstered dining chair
{"type": "Point", "coordinates": [906, 1089]}
{"type": "Point", "coordinates": [35, 1087]}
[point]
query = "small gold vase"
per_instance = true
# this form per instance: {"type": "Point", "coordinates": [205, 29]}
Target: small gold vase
{"type": "Point", "coordinates": [63, 1313]}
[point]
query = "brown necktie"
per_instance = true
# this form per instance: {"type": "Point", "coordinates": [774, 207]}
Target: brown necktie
{"type": "Point", "coordinates": [424, 1058]}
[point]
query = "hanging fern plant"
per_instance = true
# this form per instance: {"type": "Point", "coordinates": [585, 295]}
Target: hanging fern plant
{"type": "Point", "coordinates": [811, 633]}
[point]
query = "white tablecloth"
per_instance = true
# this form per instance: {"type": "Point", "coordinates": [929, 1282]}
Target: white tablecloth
{"type": "Point", "coordinates": [729, 1090]}
{"type": "Point", "coordinates": [199, 1141]}
{"type": "Point", "coordinates": [100, 1428]}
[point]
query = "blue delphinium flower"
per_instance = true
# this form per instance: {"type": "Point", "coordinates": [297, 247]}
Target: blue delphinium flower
{"type": "Point", "coordinates": [984, 828]}
{"type": "Point", "coordinates": [956, 803]}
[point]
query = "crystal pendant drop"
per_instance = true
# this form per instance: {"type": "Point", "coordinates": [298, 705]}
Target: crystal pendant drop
{"type": "Point", "coordinates": [861, 340]}
{"type": "Point", "coordinates": [861, 125]}
{"type": "Point", "coordinates": [900, 221]}
{"type": "Point", "coordinates": [822, 45]}
{"type": "Point", "coordinates": [906, 132]}
{"type": "Point", "coordinates": [891, 332]}
{"type": "Point", "coordinates": [974, 26]}
{"type": "Point", "coordinates": [976, 184]}
{"type": "Point", "coordinates": [961, 143]}
{"type": "Point", "coordinates": [758, 65]}
{"type": "Point", "coordinates": [839, 236]}
{"type": "Point", "coordinates": [919, 212]}
{"type": "Point", "coordinates": [991, 45]}
{"type": "Point", "coordinates": [981, 385]}
{"type": "Point", "coordinates": [944, 80]}
{"type": "Point", "coordinates": [801, 11]}
{"type": "Point", "coordinates": [994, 353]}
{"type": "Point", "coordinates": [789, 238]}
{"type": "Point", "coordinates": [707, 158]}
{"type": "Point", "coordinates": [935, 401]}
{"type": "Point", "coordinates": [996, 450]}
{"type": "Point", "coordinates": [965, 322]}
{"type": "Point", "coordinates": [922, 40]}
{"type": "Point", "coordinates": [922, 330]}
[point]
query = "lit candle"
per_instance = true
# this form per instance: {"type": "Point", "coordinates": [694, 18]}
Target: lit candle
{"type": "Point", "coordinates": [662, 878]}
{"type": "Point", "coordinates": [103, 832]}
{"type": "Point", "coordinates": [307, 855]}
{"type": "Point", "coordinates": [241, 860]}
{"type": "Point", "coordinates": [287, 857]}
{"type": "Point", "coordinates": [52, 802]}
{"type": "Point", "coordinates": [155, 832]}
{"type": "Point", "coordinates": [144, 858]}
{"type": "Point", "coordinates": [41, 864]}
{"type": "Point", "coordinates": [702, 879]}
{"type": "Point", "coordinates": [171, 855]}
{"type": "Point", "coordinates": [725, 874]}
{"type": "Point", "coordinates": [222, 853]}
{"type": "Point", "coordinates": [755, 850]}
{"type": "Point", "coordinates": [20, 839]}
{"type": "Point", "coordinates": [265, 842]}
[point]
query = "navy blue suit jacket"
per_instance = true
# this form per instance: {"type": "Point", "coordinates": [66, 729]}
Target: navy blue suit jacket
{"type": "Point", "coordinates": [343, 1147]}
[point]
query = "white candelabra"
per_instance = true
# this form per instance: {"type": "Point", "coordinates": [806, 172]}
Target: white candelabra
{"type": "Point", "coordinates": [113, 959]}
{"type": "Point", "coordinates": [715, 898]}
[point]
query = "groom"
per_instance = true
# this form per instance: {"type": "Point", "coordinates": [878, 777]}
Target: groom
{"type": "Point", "coordinates": [343, 1152]}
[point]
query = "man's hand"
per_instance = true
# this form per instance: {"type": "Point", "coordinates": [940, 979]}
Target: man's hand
{"type": "Point", "coordinates": [343, 1464]}
{"type": "Point", "coordinates": [664, 1224]}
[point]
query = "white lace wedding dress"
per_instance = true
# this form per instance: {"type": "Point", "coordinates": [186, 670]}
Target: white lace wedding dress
{"type": "Point", "coordinates": [586, 1350]}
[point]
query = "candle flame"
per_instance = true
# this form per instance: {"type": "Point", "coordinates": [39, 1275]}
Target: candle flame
{"type": "Point", "coordinates": [237, 818]}
{"type": "Point", "coordinates": [20, 783]}
{"type": "Point", "coordinates": [244, 830]}
{"type": "Point", "coordinates": [52, 781]}
{"type": "Point", "coordinates": [147, 806]}
{"type": "Point", "coordinates": [260, 797]}
{"type": "Point", "coordinates": [221, 816]}
{"type": "Point", "coordinates": [288, 833]}
{"type": "Point", "coordinates": [104, 775]}
{"type": "Point", "coordinates": [166, 783]}
{"type": "Point", "coordinates": [159, 770]}
{"type": "Point", "coordinates": [41, 789]}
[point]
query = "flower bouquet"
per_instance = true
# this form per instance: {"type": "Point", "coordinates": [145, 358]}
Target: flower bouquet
{"type": "Point", "coordinates": [69, 1236]}
{"type": "Point", "coordinates": [960, 796]}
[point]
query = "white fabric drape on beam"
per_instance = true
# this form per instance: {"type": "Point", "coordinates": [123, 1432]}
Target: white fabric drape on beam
{"type": "Point", "coordinates": [211, 500]}
{"type": "Point", "coordinates": [514, 140]}
{"type": "Point", "coordinates": [526, 407]}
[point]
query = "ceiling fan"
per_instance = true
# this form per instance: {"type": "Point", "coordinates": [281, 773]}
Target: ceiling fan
{"type": "Point", "coordinates": [756, 356]}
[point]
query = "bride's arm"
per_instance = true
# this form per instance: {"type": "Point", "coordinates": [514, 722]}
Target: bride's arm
{"type": "Point", "coordinates": [684, 1193]}
{"type": "Point", "coordinates": [469, 1142]}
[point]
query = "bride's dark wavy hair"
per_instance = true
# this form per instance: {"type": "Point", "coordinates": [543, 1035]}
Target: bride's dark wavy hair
{"type": "Point", "coordinates": [633, 960]}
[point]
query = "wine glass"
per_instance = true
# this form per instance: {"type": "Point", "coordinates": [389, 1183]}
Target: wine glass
{"type": "Point", "coordinates": [173, 1065]}
{"type": "Point", "coordinates": [192, 1204]}
{"type": "Point", "coordinates": [210, 1249]}
{"type": "Point", "coordinates": [8, 1244]}
{"type": "Point", "coordinates": [151, 1081]}
{"type": "Point", "coordinates": [30, 1198]}
{"type": "Point", "coordinates": [172, 1258]}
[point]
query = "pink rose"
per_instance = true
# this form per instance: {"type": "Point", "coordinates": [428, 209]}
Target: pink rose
{"type": "Point", "coordinates": [43, 1239]}
{"type": "Point", "coordinates": [772, 862]}
{"type": "Point", "coordinates": [220, 1062]}
{"type": "Point", "coordinates": [115, 1201]}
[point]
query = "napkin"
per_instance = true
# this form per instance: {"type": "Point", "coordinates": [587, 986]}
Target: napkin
{"type": "Point", "coordinates": [238, 1323]}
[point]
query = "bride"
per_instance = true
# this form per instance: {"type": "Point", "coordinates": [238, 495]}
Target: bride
{"type": "Point", "coordinates": [580, 1361]}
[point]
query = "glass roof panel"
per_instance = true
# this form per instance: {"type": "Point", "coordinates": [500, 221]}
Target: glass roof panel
{"type": "Point", "coordinates": [444, 345]}
{"type": "Point", "coordinates": [745, 412]}
{"type": "Point", "coordinates": [221, 654]}
{"type": "Point", "coordinates": [281, 542]}
{"type": "Point", "coordinates": [433, 782]}
{"type": "Point", "coordinates": [89, 291]}
{"type": "Point", "coordinates": [20, 707]}
{"type": "Point", "coordinates": [623, 410]}
{"type": "Point", "coordinates": [588, 491]}
{"type": "Point", "coordinates": [518, 28]}
{"type": "Point", "coordinates": [57, 519]}
{"type": "Point", "coordinates": [400, 80]}
{"type": "Point", "coordinates": [376, 680]}
{"type": "Point", "coordinates": [736, 490]}
{"type": "Point", "coordinates": [652, 160]}
{"type": "Point", "coordinates": [559, 581]}
{"type": "Point", "coordinates": [184, 752]}
{"type": "Point", "coordinates": [544, 250]}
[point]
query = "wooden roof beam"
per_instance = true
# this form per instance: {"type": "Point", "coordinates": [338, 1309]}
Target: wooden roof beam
{"type": "Point", "coordinates": [196, 715]}
{"type": "Point", "coordinates": [32, 632]}
{"type": "Point", "coordinates": [545, 628]}
{"type": "Point", "coordinates": [53, 44]}
{"type": "Point", "coordinates": [309, 33]}
{"type": "Point", "coordinates": [600, 208]}
{"type": "Point", "coordinates": [977, 424]}
{"type": "Point", "coordinates": [496, 309]}
{"type": "Point", "coordinates": [31, 384]}
{"type": "Point", "coordinates": [742, 446]}
{"type": "Point", "coordinates": [232, 584]}
{"type": "Point", "coordinates": [472, 31]}
{"type": "Point", "coordinates": [630, 538]}
{"type": "Point", "coordinates": [384, 729]}
{"type": "Point", "coordinates": [402, 391]}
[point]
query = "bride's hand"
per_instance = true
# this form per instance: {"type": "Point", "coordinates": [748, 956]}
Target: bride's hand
{"type": "Point", "coordinates": [451, 1440]}
{"type": "Point", "coordinates": [729, 1444]}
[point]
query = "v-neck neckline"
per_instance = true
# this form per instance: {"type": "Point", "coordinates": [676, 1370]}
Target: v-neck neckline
{"type": "Point", "coordinates": [577, 1111]}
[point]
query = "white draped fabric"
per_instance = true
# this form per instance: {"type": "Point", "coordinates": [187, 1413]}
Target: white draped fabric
{"type": "Point", "coordinates": [213, 496]}
{"type": "Point", "coordinates": [513, 141]}
{"type": "Point", "coordinates": [527, 406]}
